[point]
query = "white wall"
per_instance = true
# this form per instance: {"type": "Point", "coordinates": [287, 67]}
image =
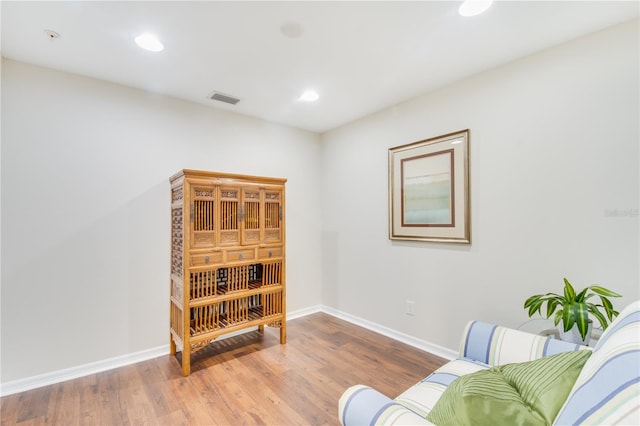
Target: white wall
{"type": "Point", "coordinates": [85, 211]}
{"type": "Point", "coordinates": [554, 188]}
{"type": "Point", "coordinates": [85, 220]}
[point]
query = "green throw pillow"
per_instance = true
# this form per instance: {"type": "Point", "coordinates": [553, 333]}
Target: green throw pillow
{"type": "Point", "coordinates": [528, 393]}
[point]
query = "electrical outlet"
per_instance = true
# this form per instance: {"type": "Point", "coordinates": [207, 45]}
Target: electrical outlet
{"type": "Point", "coordinates": [409, 308]}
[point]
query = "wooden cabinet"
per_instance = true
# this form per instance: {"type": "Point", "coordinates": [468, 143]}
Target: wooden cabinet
{"type": "Point", "coordinates": [227, 257]}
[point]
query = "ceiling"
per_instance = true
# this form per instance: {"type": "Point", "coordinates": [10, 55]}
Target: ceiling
{"type": "Point", "coordinates": [359, 56]}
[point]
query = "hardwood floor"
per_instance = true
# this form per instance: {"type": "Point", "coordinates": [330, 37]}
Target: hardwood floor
{"type": "Point", "coordinates": [247, 379]}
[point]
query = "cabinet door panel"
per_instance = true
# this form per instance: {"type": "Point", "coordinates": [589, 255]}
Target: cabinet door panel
{"type": "Point", "coordinates": [229, 215]}
{"type": "Point", "coordinates": [202, 216]}
{"type": "Point", "coordinates": [273, 215]}
{"type": "Point", "coordinates": [251, 216]}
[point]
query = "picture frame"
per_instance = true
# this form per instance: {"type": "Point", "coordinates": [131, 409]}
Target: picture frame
{"type": "Point", "coordinates": [429, 190]}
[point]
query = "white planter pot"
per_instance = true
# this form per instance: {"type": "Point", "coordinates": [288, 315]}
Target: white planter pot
{"type": "Point", "coordinates": [573, 335]}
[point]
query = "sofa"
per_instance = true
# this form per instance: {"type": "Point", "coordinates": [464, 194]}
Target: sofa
{"type": "Point", "coordinates": [488, 383]}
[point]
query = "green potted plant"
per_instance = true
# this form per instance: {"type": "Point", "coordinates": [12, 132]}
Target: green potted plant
{"type": "Point", "coordinates": [573, 308]}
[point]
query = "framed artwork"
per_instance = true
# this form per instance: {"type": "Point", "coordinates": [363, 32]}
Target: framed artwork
{"type": "Point", "coordinates": [429, 190]}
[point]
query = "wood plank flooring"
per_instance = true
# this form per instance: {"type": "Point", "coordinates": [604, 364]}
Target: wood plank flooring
{"type": "Point", "coordinates": [249, 379]}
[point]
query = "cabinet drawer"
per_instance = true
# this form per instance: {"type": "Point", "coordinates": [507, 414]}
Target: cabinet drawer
{"type": "Point", "coordinates": [239, 255]}
{"type": "Point", "coordinates": [269, 252]}
{"type": "Point", "coordinates": [206, 259]}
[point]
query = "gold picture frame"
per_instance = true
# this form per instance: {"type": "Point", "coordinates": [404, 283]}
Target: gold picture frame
{"type": "Point", "coordinates": [429, 190]}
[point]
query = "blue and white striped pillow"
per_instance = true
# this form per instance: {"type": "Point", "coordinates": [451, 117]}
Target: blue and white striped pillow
{"type": "Point", "coordinates": [497, 345]}
{"type": "Point", "coordinates": [607, 390]}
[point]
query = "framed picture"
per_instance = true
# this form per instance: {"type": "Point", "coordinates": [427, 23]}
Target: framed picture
{"type": "Point", "coordinates": [429, 190]}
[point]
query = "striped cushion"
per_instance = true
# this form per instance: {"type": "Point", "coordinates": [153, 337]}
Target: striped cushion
{"type": "Point", "coordinates": [607, 390]}
{"type": "Point", "coordinates": [496, 345]}
{"type": "Point", "coordinates": [396, 414]}
{"type": "Point", "coordinates": [360, 402]}
{"type": "Point", "coordinates": [362, 405]}
{"type": "Point", "coordinates": [422, 396]}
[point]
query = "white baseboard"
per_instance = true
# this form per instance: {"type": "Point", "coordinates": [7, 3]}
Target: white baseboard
{"type": "Point", "coordinates": [440, 351]}
{"type": "Point", "coordinates": [40, 380]}
{"type": "Point", "coordinates": [21, 385]}
{"type": "Point", "coordinates": [304, 312]}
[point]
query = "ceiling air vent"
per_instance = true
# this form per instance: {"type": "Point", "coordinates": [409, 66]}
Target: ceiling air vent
{"type": "Point", "coordinates": [224, 98]}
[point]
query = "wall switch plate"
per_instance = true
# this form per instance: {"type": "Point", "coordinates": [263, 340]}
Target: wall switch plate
{"type": "Point", "coordinates": [409, 308]}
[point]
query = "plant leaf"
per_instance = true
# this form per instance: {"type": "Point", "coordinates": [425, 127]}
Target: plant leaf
{"type": "Point", "coordinates": [606, 303]}
{"type": "Point", "coordinates": [608, 307]}
{"type": "Point", "coordinates": [593, 309]}
{"type": "Point", "coordinates": [581, 318]}
{"type": "Point", "coordinates": [567, 317]}
{"type": "Point", "coordinates": [558, 317]}
{"type": "Point", "coordinates": [532, 300]}
{"type": "Point", "coordinates": [604, 291]}
{"type": "Point", "coordinates": [569, 292]}
{"type": "Point", "coordinates": [535, 307]}
{"type": "Point", "coordinates": [551, 306]}
{"type": "Point", "coordinates": [580, 297]}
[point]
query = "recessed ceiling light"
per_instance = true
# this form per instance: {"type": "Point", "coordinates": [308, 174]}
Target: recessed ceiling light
{"type": "Point", "coordinates": [474, 7]}
{"type": "Point", "coordinates": [309, 96]}
{"type": "Point", "coordinates": [149, 42]}
{"type": "Point", "coordinates": [51, 35]}
{"type": "Point", "coordinates": [291, 29]}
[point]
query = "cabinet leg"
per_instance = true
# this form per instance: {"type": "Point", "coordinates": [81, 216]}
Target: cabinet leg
{"type": "Point", "coordinates": [283, 333]}
{"type": "Point", "coordinates": [172, 345]}
{"type": "Point", "coordinates": [261, 328]}
{"type": "Point", "coordinates": [186, 360]}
